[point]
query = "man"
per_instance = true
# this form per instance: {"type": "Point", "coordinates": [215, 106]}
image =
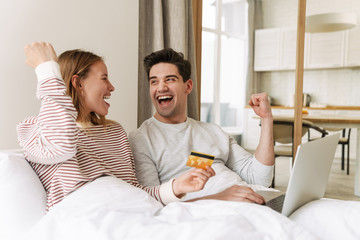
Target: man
{"type": "Point", "coordinates": [162, 144]}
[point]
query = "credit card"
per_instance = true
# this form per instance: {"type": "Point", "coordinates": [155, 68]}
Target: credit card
{"type": "Point", "coordinates": [200, 160]}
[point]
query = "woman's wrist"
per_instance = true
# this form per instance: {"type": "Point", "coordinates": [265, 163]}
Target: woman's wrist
{"type": "Point", "coordinates": [175, 188]}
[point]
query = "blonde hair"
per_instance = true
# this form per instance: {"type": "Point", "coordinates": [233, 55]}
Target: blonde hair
{"type": "Point", "coordinates": [79, 62]}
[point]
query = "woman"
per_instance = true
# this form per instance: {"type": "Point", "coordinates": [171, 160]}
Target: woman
{"type": "Point", "coordinates": [70, 142]}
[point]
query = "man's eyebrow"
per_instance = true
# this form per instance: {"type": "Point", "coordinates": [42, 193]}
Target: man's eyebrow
{"type": "Point", "coordinates": [174, 76]}
{"type": "Point", "coordinates": [167, 76]}
{"type": "Point", "coordinates": [105, 75]}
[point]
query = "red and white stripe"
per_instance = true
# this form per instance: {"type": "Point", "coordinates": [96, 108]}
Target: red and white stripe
{"type": "Point", "coordinates": [64, 156]}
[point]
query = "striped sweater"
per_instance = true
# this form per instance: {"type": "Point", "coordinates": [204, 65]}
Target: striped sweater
{"type": "Point", "coordinates": [66, 156]}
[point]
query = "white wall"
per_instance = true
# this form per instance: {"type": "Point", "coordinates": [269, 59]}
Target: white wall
{"type": "Point", "coordinates": [332, 86]}
{"type": "Point", "coordinates": [338, 87]}
{"type": "Point", "coordinates": [108, 28]}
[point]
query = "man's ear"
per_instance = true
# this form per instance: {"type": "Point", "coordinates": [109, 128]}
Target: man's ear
{"type": "Point", "coordinates": [189, 86]}
{"type": "Point", "coordinates": [75, 81]}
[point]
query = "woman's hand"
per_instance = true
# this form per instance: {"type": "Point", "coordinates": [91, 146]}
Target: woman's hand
{"type": "Point", "coordinates": [39, 52]}
{"type": "Point", "coordinates": [192, 181]}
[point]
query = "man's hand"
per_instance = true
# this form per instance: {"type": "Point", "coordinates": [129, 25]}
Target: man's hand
{"type": "Point", "coordinates": [39, 52]}
{"type": "Point", "coordinates": [192, 181]}
{"type": "Point", "coordinates": [240, 194]}
{"type": "Point", "coordinates": [236, 193]}
{"type": "Point", "coordinates": [261, 105]}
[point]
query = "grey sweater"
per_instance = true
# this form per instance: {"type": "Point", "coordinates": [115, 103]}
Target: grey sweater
{"type": "Point", "coordinates": [161, 151]}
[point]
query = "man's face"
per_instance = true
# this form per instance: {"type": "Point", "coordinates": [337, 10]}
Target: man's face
{"type": "Point", "coordinates": [169, 92]}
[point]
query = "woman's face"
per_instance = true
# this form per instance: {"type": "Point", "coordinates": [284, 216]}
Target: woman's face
{"type": "Point", "coordinates": [96, 89]}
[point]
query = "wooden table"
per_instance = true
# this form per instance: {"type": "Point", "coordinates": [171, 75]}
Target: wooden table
{"type": "Point", "coordinates": [337, 121]}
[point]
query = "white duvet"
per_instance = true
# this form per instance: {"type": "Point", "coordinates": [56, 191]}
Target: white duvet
{"type": "Point", "coordinates": [109, 208]}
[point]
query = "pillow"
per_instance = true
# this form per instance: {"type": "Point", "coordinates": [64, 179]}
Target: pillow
{"type": "Point", "coordinates": [339, 218]}
{"type": "Point", "coordinates": [23, 198]}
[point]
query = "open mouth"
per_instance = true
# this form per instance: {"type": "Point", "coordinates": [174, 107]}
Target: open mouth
{"type": "Point", "coordinates": [162, 100]}
{"type": "Point", "coordinates": [106, 99]}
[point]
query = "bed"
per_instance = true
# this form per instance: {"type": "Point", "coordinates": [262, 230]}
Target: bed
{"type": "Point", "coordinates": [109, 208]}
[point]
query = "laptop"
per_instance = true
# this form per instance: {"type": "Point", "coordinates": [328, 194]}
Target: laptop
{"type": "Point", "coordinates": [308, 178]}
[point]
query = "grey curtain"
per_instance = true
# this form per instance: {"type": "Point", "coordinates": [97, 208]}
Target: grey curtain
{"type": "Point", "coordinates": [164, 24]}
{"type": "Point", "coordinates": [255, 20]}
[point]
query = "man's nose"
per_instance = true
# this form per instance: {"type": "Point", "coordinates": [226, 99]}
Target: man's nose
{"type": "Point", "coordinates": [162, 86]}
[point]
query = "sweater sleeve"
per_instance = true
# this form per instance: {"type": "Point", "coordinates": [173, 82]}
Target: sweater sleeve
{"type": "Point", "coordinates": [146, 170]}
{"type": "Point", "coordinates": [163, 193]}
{"type": "Point", "coordinates": [51, 136]}
{"type": "Point", "coordinates": [247, 166]}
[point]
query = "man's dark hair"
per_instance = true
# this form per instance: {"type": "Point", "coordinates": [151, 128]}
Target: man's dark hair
{"type": "Point", "coordinates": [168, 55]}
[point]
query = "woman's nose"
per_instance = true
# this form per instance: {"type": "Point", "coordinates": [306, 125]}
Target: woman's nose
{"type": "Point", "coordinates": [111, 87]}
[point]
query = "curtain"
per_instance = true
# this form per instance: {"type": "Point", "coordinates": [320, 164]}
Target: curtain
{"type": "Point", "coordinates": [255, 21]}
{"type": "Point", "coordinates": [197, 23]}
{"type": "Point", "coordinates": [165, 24]}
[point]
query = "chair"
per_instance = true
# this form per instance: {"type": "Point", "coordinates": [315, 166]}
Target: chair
{"type": "Point", "coordinates": [344, 141]}
{"type": "Point", "coordinates": [283, 133]}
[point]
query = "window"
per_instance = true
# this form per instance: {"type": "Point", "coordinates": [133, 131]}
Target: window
{"type": "Point", "coordinates": [224, 61]}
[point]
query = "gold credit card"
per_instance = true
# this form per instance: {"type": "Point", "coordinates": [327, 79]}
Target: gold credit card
{"type": "Point", "coordinates": [200, 160]}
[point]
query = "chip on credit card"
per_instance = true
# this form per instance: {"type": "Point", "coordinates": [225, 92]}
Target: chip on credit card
{"type": "Point", "coordinates": [200, 160]}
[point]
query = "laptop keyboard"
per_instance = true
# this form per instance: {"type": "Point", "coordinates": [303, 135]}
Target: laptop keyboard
{"type": "Point", "coordinates": [276, 203]}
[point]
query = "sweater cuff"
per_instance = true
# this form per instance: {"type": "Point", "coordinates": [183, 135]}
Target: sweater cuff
{"type": "Point", "coordinates": [48, 70]}
{"type": "Point", "coordinates": [167, 194]}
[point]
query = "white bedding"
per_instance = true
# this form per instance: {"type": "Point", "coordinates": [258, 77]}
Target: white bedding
{"type": "Point", "coordinates": [109, 208]}
{"type": "Point", "coordinates": [330, 218]}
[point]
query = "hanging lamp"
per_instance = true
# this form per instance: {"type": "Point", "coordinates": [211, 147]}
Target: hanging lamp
{"type": "Point", "coordinates": [330, 22]}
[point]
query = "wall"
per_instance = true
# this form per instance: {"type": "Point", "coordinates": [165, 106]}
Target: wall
{"type": "Point", "coordinates": [338, 87]}
{"type": "Point", "coordinates": [108, 28]}
{"type": "Point", "coordinates": [333, 87]}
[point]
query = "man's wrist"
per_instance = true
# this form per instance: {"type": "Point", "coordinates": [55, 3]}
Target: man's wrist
{"type": "Point", "coordinates": [268, 118]}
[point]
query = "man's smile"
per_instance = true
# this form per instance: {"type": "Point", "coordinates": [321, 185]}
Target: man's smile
{"type": "Point", "coordinates": [164, 99]}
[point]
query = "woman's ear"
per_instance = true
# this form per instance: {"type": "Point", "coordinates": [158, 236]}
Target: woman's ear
{"type": "Point", "coordinates": [75, 81]}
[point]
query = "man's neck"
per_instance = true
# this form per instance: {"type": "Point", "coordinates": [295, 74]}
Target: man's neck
{"type": "Point", "coordinates": [170, 120]}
